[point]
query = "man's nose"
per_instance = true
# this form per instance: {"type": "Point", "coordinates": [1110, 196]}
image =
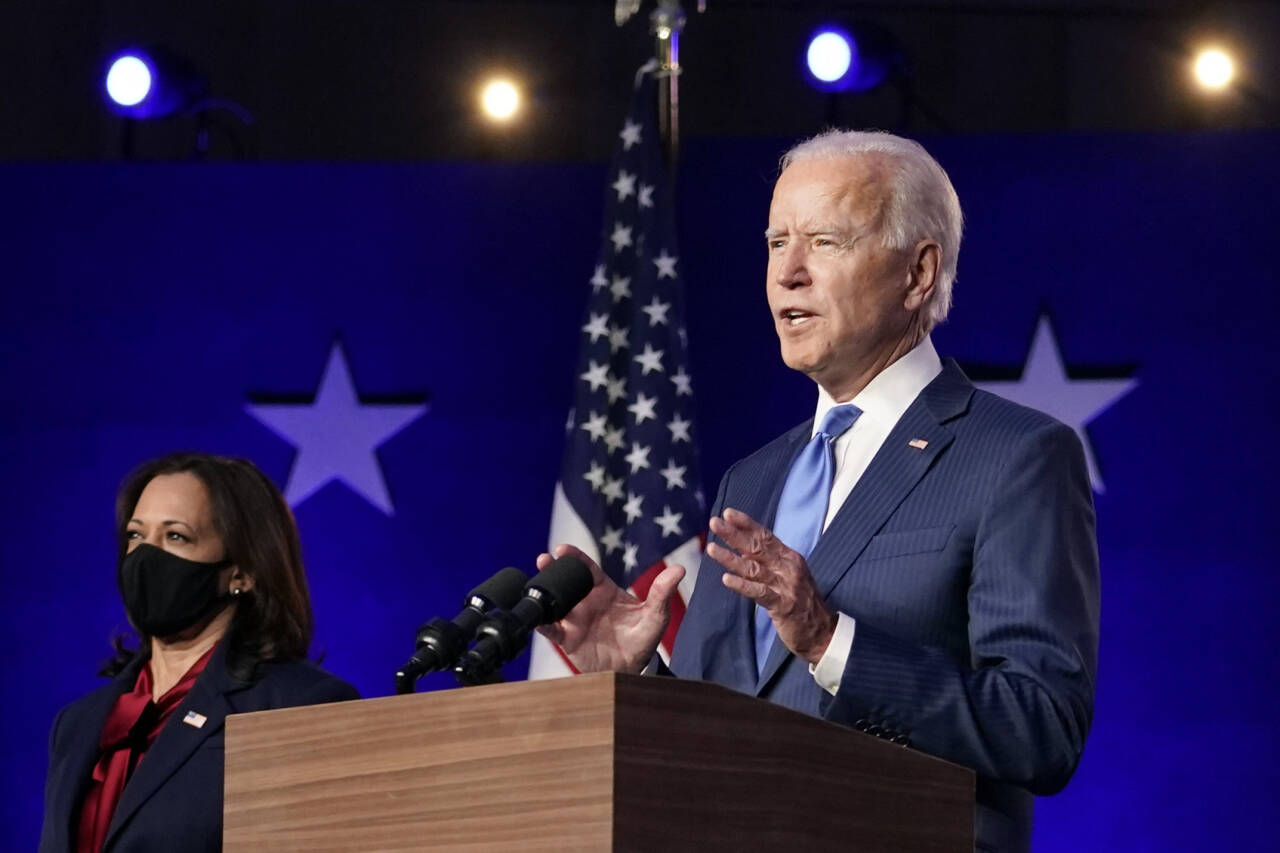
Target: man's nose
{"type": "Point", "coordinates": [791, 270]}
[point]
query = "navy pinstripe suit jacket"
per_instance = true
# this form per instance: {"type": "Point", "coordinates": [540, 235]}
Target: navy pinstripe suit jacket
{"type": "Point", "coordinates": [971, 568]}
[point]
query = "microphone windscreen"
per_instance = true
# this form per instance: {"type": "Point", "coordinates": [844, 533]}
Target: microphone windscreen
{"type": "Point", "coordinates": [565, 582]}
{"type": "Point", "coordinates": [502, 590]}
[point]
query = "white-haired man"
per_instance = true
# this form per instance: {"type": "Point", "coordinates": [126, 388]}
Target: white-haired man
{"type": "Point", "coordinates": [919, 560]}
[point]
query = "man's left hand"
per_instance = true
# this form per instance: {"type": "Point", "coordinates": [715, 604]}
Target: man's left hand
{"type": "Point", "coordinates": [777, 579]}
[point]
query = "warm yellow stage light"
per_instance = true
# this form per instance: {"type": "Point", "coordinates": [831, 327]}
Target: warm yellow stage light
{"type": "Point", "coordinates": [1214, 69]}
{"type": "Point", "coordinates": [500, 99]}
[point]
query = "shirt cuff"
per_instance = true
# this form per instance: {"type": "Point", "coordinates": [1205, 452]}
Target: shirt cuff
{"type": "Point", "coordinates": [830, 667]}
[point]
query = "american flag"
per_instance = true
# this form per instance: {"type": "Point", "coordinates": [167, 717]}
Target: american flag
{"type": "Point", "coordinates": [629, 493]}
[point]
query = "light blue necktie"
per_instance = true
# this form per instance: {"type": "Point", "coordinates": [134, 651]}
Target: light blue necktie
{"type": "Point", "coordinates": [802, 507]}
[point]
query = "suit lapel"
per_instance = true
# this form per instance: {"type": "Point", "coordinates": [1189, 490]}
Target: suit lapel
{"type": "Point", "coordinates": [894, 471]}
{"type": "Point", "coordinates": [178, 740]}
{"type": "Point", "coordinates": [79, 735]}
{"type": "Point", "coordinates": [757, 495]}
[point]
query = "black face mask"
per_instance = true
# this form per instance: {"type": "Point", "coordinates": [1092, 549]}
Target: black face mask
{"type": "Point", "coordinates": [164, 593]}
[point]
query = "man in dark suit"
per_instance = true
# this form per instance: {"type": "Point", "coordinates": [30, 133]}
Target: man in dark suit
{"type": "Point", "coordinates": [919, 560]}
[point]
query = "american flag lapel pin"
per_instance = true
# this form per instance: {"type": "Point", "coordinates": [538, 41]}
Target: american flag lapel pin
{"type": "Point", "coordinates": [196, 721]}
{"type": "Point", "coordinates": [918, 443]}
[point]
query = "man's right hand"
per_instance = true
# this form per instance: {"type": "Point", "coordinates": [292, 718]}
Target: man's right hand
{"type": "Point", "coordinates": [611, 629]}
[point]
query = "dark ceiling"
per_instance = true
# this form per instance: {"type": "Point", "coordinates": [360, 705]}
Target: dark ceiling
{"type": "Point", "coordinates": [396, 79]}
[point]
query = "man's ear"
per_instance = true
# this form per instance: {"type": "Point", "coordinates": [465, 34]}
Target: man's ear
{"type": "Point", "coordinates": [922, 275]}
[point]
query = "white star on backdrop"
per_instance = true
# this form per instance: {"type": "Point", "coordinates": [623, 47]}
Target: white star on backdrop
{"type": "Point", "coordinates": [645, 198]}
{"type": "Point", "coordinates": [336, 436]}
{"type": "Point", "coordinates": [1044, 385]}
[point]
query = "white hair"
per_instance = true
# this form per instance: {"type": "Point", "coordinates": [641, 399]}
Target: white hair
{"type": "Point", "coordinates": [922, 204]}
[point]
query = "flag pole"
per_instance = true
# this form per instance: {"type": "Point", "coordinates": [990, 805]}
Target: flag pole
{"type": "Point", "coordinates": [666, 22]}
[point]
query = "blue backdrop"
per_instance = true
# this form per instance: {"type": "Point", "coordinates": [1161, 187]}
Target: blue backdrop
{"type": "Point", "coordinates": [145, 306]}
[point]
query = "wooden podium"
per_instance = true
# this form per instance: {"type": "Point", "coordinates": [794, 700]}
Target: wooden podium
{"type": "Point", "coordinates": [596, 762]}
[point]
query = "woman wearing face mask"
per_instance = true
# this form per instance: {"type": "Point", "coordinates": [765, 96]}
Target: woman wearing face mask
{"type": "Point", "coordinates": [211, 576]}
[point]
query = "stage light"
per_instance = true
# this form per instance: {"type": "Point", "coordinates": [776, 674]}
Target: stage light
{"type": "Point", "coordinates": [151, 83]}
{"type": "Point", "coordinates": [857, 59]}
{"type": "Point", "coordinates": [500, 100]}
{"type": "Point", "coordinates": [830, 55]}
{"type": "Point", "coordinates": [1214, 69]}
{"type": "Point", "coordinates": [128, 80]}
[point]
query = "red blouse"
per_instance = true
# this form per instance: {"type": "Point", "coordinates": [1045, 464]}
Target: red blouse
{"type": "Point", "coordinates": [131, 727]}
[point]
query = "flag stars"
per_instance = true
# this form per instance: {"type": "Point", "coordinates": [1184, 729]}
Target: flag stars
{"type": "Point", "coordinates": [679, 429]}
{"type": "Point", "coordinates": [597, 375]}
{"type": "Point", "coordinates": [683, 383]}
{"type": "Point", "coordinates": [618, 338]}
{"type": "Point", "coordinates": [595, 426]}
{"type": "Point", "coordinates": [621, 288]}
{"type": "Point", "coordinates": [621, 237]}
{"type": "Point", "coordinates": [650, 360]}
{"type": "Point", "coordinates": [597, 327]}
{"type": "Point", "coordinates": [625, 185]}
{"type": "Point", "coordinates": [666, 265]}
{"type": "Point", "coordinates": [674, 475]}
{"type": "Point", "coordinates": [643, 408]}
{"type": "Point", "coordinates": [632, 506]}
{"type": "Point", "coordinates": [630, 135]}
{"type": "Point", "coordinates": [611, 540]}
{"type": "Point", "coordinates": [613, 440]}
{"type": "Point", "coordinates": [612, 489]}
{"type": "Point", "coordinates": [629, 557]}
{"type": "Point", "coordinates": [595, 477]}
{"type": "Point", "coordinates": [645, 198]}
{"type": "Point", "coordinates": [617, 389]}
{"type": "Point", "coordinates": [657, 311]}
{"type": "Point", "coordinates": [669, 521]}
{"type": "Point", "coordinates": [638, 458]}
{"type": "Point", "coordinates": [599, 279]}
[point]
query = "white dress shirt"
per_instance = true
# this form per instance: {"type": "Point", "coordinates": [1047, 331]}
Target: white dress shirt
{"type": "Point", "coordinates": [887, 396]}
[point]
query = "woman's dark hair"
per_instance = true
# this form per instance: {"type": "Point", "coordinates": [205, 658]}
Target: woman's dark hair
{"type": "Point", "coordinates": [273, 621]}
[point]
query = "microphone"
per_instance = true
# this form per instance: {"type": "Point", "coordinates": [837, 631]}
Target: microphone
{"type": "Point", "coordinates": [440, 643]}
{"type": "Point", "coordinates": [548, 596]}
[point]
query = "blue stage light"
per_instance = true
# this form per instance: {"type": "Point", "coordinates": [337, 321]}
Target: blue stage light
{"type": "Point", "coordinates": [857, 59]}
{"type": "Point", "coordinates": [830, 54]}
{"type": "Point", "coordinates": [151, 83]}
{"type": "Point", "coordinates": [129, 80]}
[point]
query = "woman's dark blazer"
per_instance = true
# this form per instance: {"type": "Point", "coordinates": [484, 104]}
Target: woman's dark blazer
{"type": "Point", "coordinates": [173, 802]}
